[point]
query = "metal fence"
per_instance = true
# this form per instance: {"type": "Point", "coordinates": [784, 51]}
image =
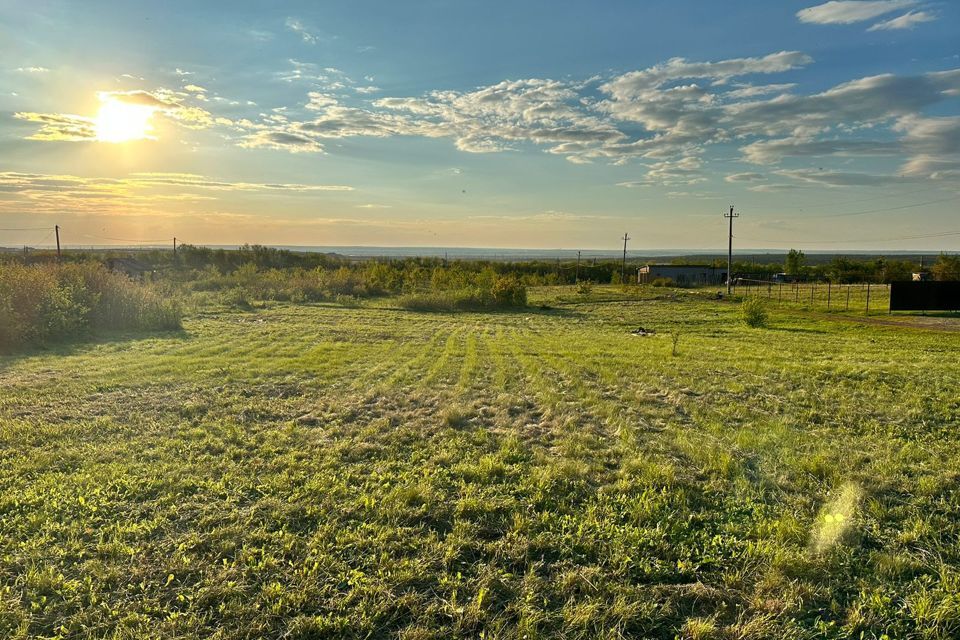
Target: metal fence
{"type": "Point", "coordinates": [864, 298]}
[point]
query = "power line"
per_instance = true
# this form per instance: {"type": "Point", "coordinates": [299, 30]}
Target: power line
{"type": "Point", "coordinates": [161, 241]}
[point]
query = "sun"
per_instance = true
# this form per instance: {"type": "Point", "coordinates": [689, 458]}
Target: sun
{"type": "Point", "coordinates": [122, 122]}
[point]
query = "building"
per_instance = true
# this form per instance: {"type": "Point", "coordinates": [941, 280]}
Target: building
{"type": "Point", "coordinates": [682, 274]}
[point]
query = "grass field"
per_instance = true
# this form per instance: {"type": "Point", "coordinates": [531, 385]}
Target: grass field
{"type": "Point", "coordinates": [313, 471]}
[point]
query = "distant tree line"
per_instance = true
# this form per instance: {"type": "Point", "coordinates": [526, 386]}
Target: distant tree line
{"type": "Point", "coordinates": [399, 273]}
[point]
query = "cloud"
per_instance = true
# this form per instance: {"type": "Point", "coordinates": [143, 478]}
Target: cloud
{"type": "Point", "coordinates": [284, 140]}
{"type": "Point", "coordinates": [32, 70]}
{"type": "Point", "coordinates": [59, 127]}
{"type": "Point", "coordinates": [134, 194]}
{"type": "Point", "coordinates": [307, 35]}
{"type": "Point", "coordinates": [772, 151]}
{"type": "Point", "coordinates": [686, 171]}
{"type": "Point", "coordinates": [66, 127]}
{"type": "Point", "coordinates": [777, 187]}
{"type": "Point", "coordinates": [932, 167]}
{"type": "Point", "coordinates": [839, 178]}
{"type": "Point", "coordinates": [745, 177]}
{"type": "Point", "coordinates": [194, 88]}
{"type": "Point", "coordinates": [665, 116]}
{"type": "Point", "coordinates": [751, 91]}
{"type": "Point", "coordinates": [319, 100]}
{"type": "Point", "coordinates": [851, 11]}
{"type": "Point", "coordinates": [202, 182]}
{"type": "Point", "coordinates": [907, 21]}
{"type": "Point", "coordinates": [164, 101]}
{"type": "Point", "coordinates": [867, 100]}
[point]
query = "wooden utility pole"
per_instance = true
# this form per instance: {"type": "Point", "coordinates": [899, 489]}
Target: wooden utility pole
{"type": "Point", "coordinates": [578, 266]}
{"type": "Point", "coordinates": [56, 229]}
{"type": "Point", "coordinates": [174, 248]}
{"type": "Point", "coordinates": [623, 266]}
{"type": "Point", "coordinates": [731, 216]}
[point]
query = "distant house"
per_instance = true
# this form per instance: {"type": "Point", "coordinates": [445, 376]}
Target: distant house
{"type": "Point", "coordinates": [129, 266]}
{"type": "Point", "coordinates": [682, 274]}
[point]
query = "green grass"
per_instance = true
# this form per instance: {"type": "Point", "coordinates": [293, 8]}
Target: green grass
{"type": "Point", "coordinates": [315, 471]}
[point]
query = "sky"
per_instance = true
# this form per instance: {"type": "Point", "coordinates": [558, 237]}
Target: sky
{"type": "Point", "coordinates": [536, 124]}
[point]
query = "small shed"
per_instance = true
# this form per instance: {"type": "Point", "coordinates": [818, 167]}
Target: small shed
{"type": "Point", "coordinates": [682, 274]}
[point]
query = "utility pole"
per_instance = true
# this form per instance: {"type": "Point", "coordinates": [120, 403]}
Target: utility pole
{"type": "Point", "coordinates": [578, 266]}
{"type": "Point", "coordinates": [623, 266]}
{"type": "Point", "coordinates": [731, 216]}
{"type": "Point", "coordinates": [174, 248]}
{"type": "Point", "coordinates": [56, 229]}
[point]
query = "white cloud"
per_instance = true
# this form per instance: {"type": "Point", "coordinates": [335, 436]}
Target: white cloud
{"type": "Point", "coordinates": [907, 21]}
{"type": "Point", "coordinates": [745, 177]}
{"type": "Point", "coordinates": [32, 70]}
{"type": "Point", "coordinates": [772, 151]}
{"type": "Point", "coordinates": [295, 25]}
{"type": "Point", "coordinates": [285, 140]}
{"type": "Point", "coordinates": [751, 91]}
{"type": "Point", "coordinates": [320, 100]}
{"type": "Point", "coordinates": [839, 178]}
{"type": "Point", "coordinates": [851, 11]}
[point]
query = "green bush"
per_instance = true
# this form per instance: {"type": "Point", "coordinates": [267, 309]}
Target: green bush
{"type": "Point", "coordinates": [585, 288]}
{"type": "Point", "coordinates": [662, 282]}
{"type": "Point", "coordinates": [754, 312]}
{"type": "Point", "coordinates": [509, 292]}
{"type": "Point", "coordinates": [39, 303]}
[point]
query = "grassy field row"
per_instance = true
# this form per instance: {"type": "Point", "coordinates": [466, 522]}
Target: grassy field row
{"type": "Point", "coordinates": [310, 471]}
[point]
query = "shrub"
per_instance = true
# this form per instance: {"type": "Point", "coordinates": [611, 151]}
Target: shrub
{"type": "Point", "coordinates": [754, 312]}
{"type": "Point", "coordinates": [509, 292]}
{"type": "Point", "coordinates": [585, 288]}
{"type": "Point", "coordinates": [662, 282]}
{"type": "Point", "coordinates": [237, 297]}
{"type": "Point", "coordinates": [39, 303]}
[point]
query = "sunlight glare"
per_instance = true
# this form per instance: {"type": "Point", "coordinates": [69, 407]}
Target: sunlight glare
{"type": "Point", "coordinates": [122, 122]}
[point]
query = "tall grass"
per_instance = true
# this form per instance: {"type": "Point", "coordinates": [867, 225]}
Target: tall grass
{"type": "Point", "coordinates": [40, 303]}
{"type": "Point", "coordinates": [498, 293]}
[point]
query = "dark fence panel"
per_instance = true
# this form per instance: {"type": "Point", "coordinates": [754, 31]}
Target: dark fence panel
{"type": "Point", "coordinates": [925, 296]}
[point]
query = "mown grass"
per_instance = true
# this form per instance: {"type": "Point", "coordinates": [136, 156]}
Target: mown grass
{"type": "Point", "coordinates": [314, 471]}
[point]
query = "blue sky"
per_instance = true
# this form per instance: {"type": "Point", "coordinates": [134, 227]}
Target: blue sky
{"type": "Point", "coordinates": [538, 124]}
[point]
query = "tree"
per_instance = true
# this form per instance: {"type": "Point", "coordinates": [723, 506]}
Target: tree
{"type": "Point", "coordinates": [795, 262]}
{"type": "Point", "coordinates": [947, 267]}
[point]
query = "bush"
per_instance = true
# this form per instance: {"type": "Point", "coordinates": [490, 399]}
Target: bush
{"type": "Point", "coordinates": [585, 288]}
{"type": "Point", "coordinates": [754, 312]}
{"type": "Point", "coordinates": [509, 292]}
{"type": "Point", "coordinates": [39, 303]}
{"type": "Point", "coordinates": [662, 282]}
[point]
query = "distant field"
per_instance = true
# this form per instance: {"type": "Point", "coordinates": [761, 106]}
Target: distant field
{"type": "Point", "coordinates": [314, 471]}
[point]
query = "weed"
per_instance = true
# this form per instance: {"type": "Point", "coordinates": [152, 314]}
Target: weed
{"type": "Point", "coordinates": [753, 312]}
